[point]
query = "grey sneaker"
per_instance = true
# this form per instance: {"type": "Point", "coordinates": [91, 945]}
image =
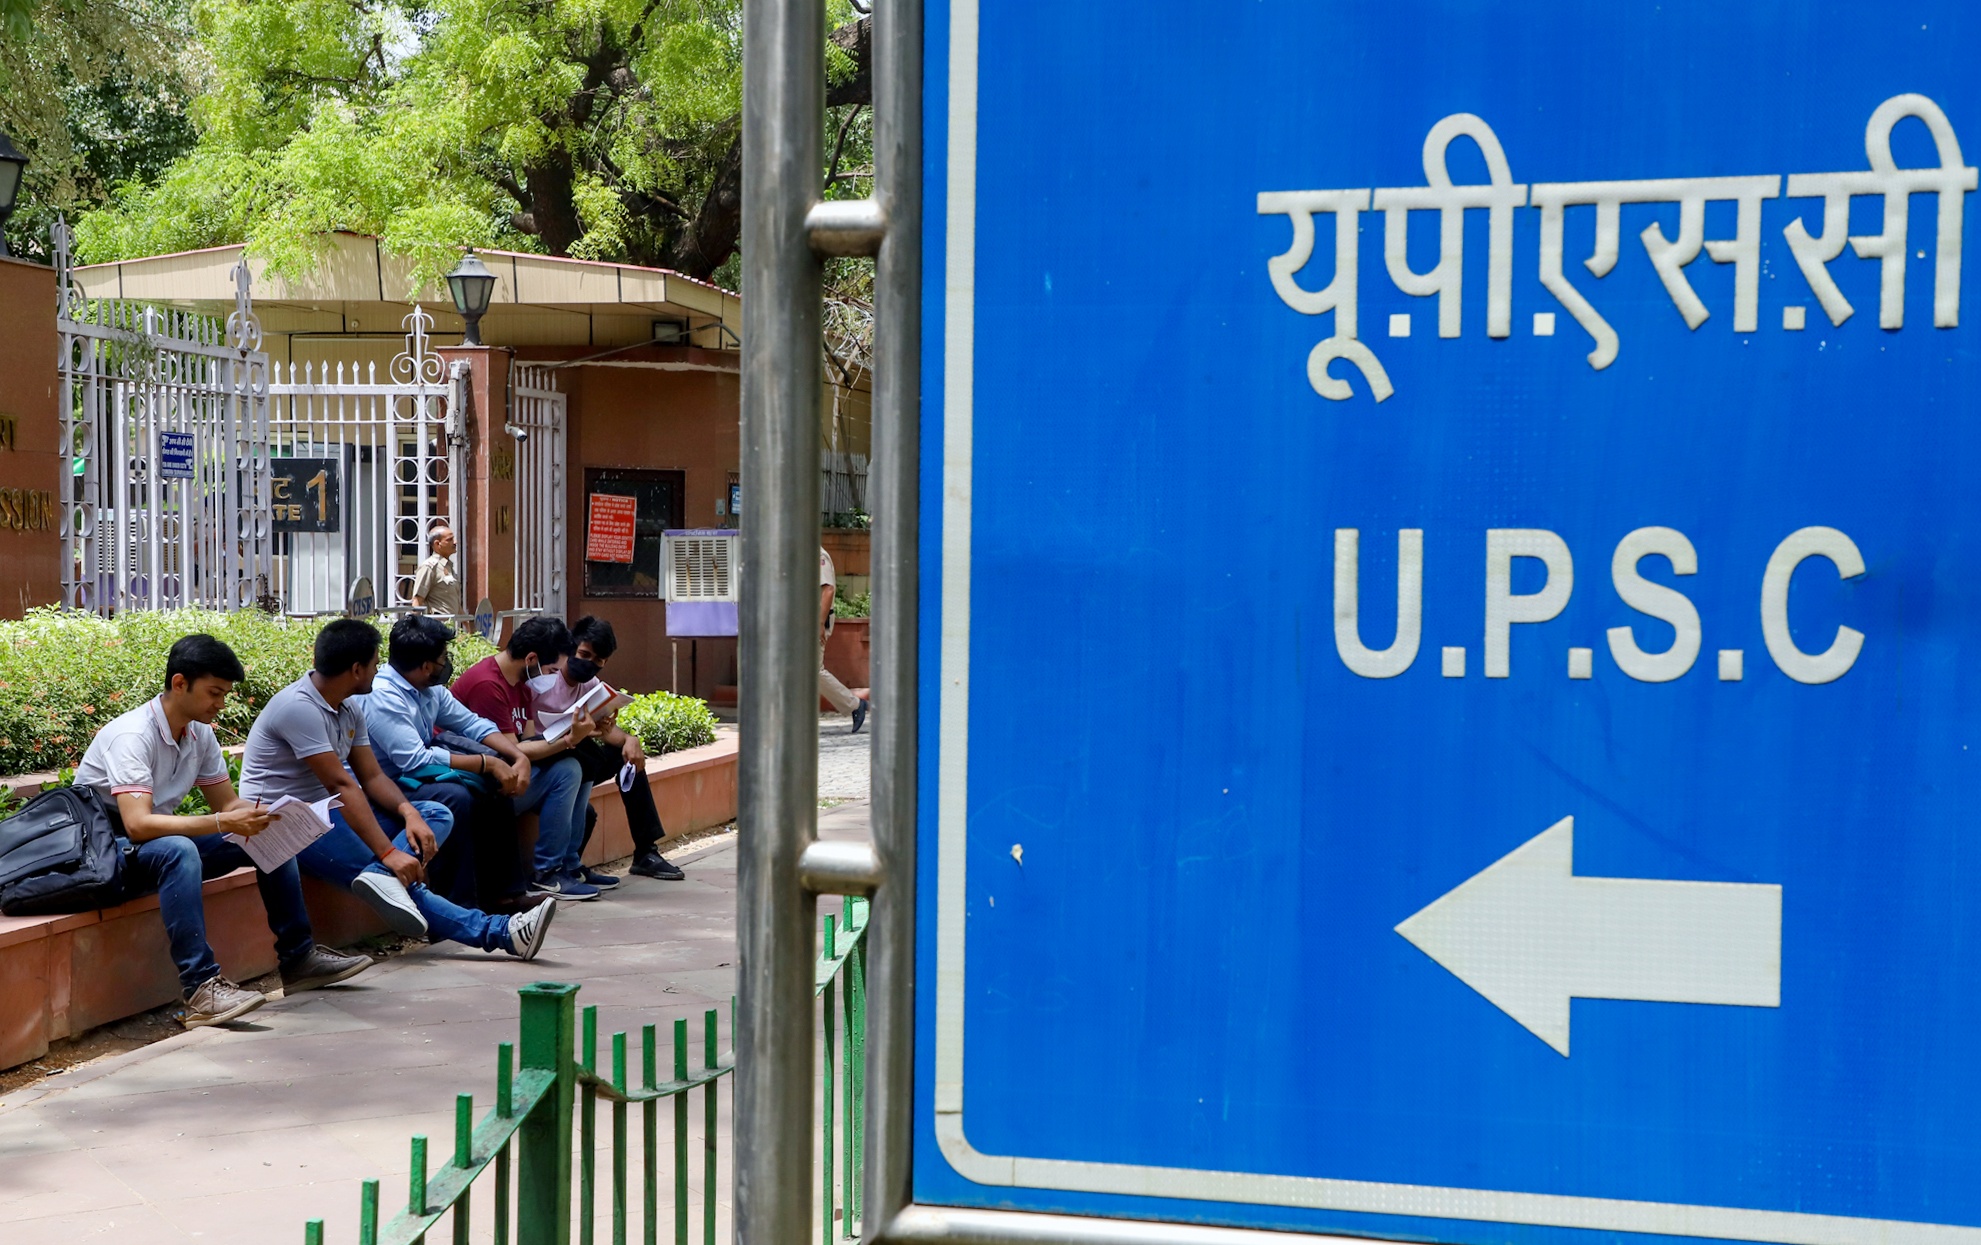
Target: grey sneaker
{"type": "Point", "coordinates": [219, 1001]}
{"type": "Point", "coordinates": [321, 967]}
{"type": "Point", "coordinates": [527, 930]}
{"type": "Point", "coordinates": [389, 898]}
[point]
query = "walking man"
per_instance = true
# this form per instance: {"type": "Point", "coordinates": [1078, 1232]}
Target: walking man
{"type": "Point", "coordinates": [436, 588]}
{"type": "Point", "coordinates": [836, 693]}
{"type": "Point", "coordinates": [146, 762]}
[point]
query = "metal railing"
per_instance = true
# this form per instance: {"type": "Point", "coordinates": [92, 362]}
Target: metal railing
{"type": "Point", "coordinates": [843, 966]}
{"type": "Point", "coordinates": [534, 1107]}
{"type": "Point", "coordinates": [527, 1138]}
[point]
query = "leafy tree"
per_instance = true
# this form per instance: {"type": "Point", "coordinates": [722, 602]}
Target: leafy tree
{"type": "Point", "coordinates": [605, 129]}
{"type": "Point", "coordinates": [96, 93]}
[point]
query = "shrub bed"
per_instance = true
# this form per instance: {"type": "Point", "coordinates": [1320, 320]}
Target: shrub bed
{"type": "Point", "coordinates": [63, 674]}
{"type": "Point", "coordinates": [665, 722]}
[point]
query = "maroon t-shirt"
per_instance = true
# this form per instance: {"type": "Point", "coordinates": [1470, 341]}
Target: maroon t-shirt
{"type": "Point", "coordinates": [486, 693]}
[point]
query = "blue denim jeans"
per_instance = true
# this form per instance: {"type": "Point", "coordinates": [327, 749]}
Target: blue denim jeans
{"type": "Point", "coordinates": [175, 865]}
{"type": "Point", "coordinates": [340, 856]}
{"type": "Point", "coordinates": [560, 796]}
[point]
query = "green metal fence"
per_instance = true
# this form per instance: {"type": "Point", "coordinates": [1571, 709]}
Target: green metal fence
{"type": "Point", "coordinates": [843, 969]}
{"type": "Point", "coordinates": [527, 1138]}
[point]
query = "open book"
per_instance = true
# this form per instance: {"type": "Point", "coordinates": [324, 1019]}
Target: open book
{"type": "Point", "coordinates": [293, 825]}
{"type": "Point", "coordinates": [600, 701]}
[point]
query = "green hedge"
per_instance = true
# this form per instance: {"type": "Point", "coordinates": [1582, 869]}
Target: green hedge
{"type": "Point", "coordinates": [665, 722]}
{"type": "Point", "coordinates": [63, 674]}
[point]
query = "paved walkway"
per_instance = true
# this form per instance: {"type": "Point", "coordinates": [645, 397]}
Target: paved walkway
{"type": "Point", "coordinates": [240, 1134]}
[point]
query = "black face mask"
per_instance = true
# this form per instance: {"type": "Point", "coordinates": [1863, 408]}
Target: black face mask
{"type": "Point", "coordinates": [579, 670]}
{"type": "Point", "coordinates": [445, 674]}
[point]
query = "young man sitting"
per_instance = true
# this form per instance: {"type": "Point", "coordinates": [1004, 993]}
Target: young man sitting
{"type": "Point", "coordinates": [310, 742]}
{"type": "Point", "coordinates": [146, 762]}
{"type": "Point", "coordinates": [605, 753]}
{"type": "Point", "coordinates": [501, 688]}
{"type": "Point", "coordinates": [407, 710]}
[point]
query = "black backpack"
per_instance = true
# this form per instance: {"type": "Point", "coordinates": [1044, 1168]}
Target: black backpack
{"type": "Point", "coordinates": [62, 853]}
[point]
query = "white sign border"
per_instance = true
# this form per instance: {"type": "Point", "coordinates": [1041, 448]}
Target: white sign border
{"type": "Point", "coordinates": [952, 812]}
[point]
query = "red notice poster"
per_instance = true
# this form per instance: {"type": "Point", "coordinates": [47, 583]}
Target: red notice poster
{"type": "Point", "coordinates": [609, 531]}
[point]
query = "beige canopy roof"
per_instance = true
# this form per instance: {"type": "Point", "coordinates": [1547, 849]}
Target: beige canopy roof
{"type": "Point", "coordinates": [360, 290]}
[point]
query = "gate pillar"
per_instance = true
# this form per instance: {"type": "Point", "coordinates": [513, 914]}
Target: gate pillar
{"type": "Point", "coordinates": [486, 458]}
{"type": "Point", "coordinates": [31, 479]}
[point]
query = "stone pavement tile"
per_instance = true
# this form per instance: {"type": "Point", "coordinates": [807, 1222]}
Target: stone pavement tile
{"type": "Point", "coordinates": [25, 1131]}
{"type": "Point", "coordinates": [338, 1097]}
{"type": "Point", "coordinates": [276, 1215]}
{"type": "Point", "coordinates": [383, 1143]}
{"type": "Point", "coordinates": [307, 1015]}
{"type": "Point", "coordinates": [377, 1050]}
{"type": "Point", "coordinates": [166, 1118]}
{"type": "Point", "coordinates": [126, 1225]}
{"type": "Point", "coordinates": [61, 1183]}
{"type": "Point", "coordinates": [230, 1164]}
{"type": "Point", "coordinates": [411, 1008]}
{"type": "Point", "coordinates": [417, 970]}
{"type": "Point", "coordinates": [177, 1070]}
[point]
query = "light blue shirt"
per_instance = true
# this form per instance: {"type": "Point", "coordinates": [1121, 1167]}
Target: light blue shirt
{"type": "Point", "coordinates": [402, 719]}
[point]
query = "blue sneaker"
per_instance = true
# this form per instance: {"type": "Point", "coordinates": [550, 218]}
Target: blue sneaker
{"type": "Point", "coordinates": [562, 886]}
{"type": "Point", "coordinates": [592, 877]}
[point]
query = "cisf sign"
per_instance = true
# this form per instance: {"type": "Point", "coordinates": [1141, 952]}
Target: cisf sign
{"type": "Point", "coordinates": [1489, 493]}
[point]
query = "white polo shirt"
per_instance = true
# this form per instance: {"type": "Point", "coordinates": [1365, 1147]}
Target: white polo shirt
{"type": "Point", "coordinates": [136, 753]}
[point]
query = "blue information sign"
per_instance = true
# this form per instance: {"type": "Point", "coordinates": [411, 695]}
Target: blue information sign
{"type": "Point", "coordinates": [175, 455]}
{"type": "Point", "coordinates": [1452, 554]}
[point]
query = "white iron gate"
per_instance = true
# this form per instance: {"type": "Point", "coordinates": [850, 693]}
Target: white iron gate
{"type": "Point", "coordinates": [204, 476]}
{"type": "Point", "coordinates": [379, 446]}
{"type": "Point", "coordinates": [164, 414]}
{"type": "Point", "coordinates": [536, 421]}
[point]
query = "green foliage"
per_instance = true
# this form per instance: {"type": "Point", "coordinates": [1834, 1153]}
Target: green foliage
{"type": "Point", "coordinates": [602, 129]}
{"type": "Point", "coordinates": [95, 92]}
{"type": "Point", "coordinates": [852, 605]}
{"type": "Point", "coordinates": [64, 674]}
{"type": "Point", "coordinates": [665, 722]}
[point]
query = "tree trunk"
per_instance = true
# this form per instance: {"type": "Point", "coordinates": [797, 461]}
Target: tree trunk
{"type": "Point", "coordinates": [708, 241]}
{"type": "Point", "coordinates": [553, 207]}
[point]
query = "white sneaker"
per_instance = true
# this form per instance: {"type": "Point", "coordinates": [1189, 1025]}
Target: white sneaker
{"type": "Point", "coordinates": [527, 930]}
{"type": "Point", "coordinates": [389, 898]}
{"type": "Point", "coordinates": [218, 1001]}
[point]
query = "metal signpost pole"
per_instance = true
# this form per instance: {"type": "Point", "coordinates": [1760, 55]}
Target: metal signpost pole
{"type": "Point", "coordinates": [897, 504]}
{"type": "Point", "coordinates": [784, 99]}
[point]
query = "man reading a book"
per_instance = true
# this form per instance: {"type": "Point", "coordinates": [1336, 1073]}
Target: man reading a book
{"type": "Point", "coordinates": [311, 742]}
{"type": "Point", "coordinates": [146, 763]}
{"type": "Point", "coordinates": [606, 754]}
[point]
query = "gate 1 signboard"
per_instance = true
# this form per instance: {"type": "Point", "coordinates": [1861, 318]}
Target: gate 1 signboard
{"type": "Point", "coordinates": [609, 528]}
{"type": "Point", "coordinates": [1544, 807]}
{"type": "Point", "coordinates": [175, 455]}
{"type": "Point", "coordinates": [305, 495]}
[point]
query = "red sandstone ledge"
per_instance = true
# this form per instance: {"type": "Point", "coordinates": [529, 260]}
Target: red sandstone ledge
{"type": "Point", "coordinates": [62, 975]}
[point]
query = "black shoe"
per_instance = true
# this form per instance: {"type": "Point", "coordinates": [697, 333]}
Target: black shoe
{"type": "Point", "coordinates": [859, 717]}
{"type": "Point", "coordinates": [652, 864]}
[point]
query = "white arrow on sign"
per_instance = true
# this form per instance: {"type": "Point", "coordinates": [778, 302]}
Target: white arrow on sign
{"type": "Point", "coordinates": [1529, 935]}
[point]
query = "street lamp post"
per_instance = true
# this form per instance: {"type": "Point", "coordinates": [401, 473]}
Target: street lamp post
{"type": "Point", "coordinates": [12, 165]}
{"type": "Point", "coordinates": [472, 285]}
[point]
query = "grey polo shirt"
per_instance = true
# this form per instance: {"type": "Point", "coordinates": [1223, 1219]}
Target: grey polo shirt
{"type": "Point", "coordinates": [296, 724]}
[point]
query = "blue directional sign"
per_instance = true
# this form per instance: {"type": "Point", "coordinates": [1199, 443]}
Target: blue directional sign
{"type": "Point", "coordinates": [1451, 623]}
